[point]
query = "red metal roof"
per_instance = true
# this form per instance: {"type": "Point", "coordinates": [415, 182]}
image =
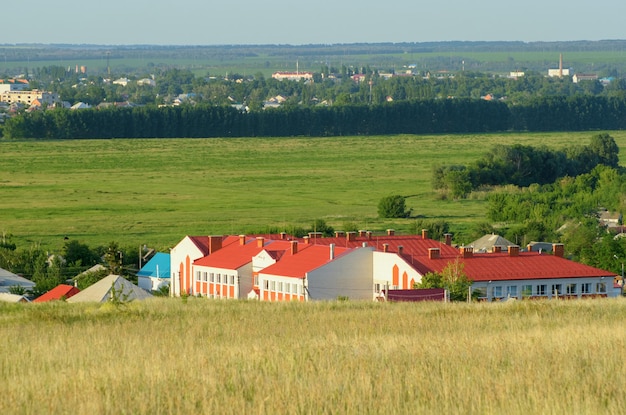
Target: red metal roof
{"type": "Point", "coordinates": [235, 255]}
{"type": "Point", "coordinates": [58, 292]}
{"type": "Point", "coordinates": [308, 258]}
{"type": "Point", "coordinates": [526, 265]}
{"type": "Point", "coordinates": [411, 244]}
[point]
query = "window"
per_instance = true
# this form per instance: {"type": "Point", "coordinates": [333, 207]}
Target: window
{"type": "Point", "coordinates": [204, 276]}
{"type": "Point", "coordinates": [496, 291]}
{"type": "Point", "coordinates": [256, 280]}
{"type": "Point", "coordinates": [266, 285]}
{"type": "Point", "coordinates": [294, 287]}
{"type": "Point", "coordinates": [212, 276]}
{"type": "Point", "coordinates": [541, 289]}
{"type": "Point", "coordinates": [585, 288]}
{"type": "Point", "coordinates": [232, 280]}
{"type": "Point", "coordinates": [511, 291]}
{"type": "Point", "coordinates": [287, 287]}
{"type": "Point", "coordinates": [273, 285]}
{"type": "Point", "coordinates": [557, 289]}
{"type": "Point", "coordinates": [601, 288]}
{"type": "Point", "coordinates": [527, 290]}
{"type": "Point", "coordinates": [280, 287]}
{"type": "Point", "coordinates": [570, 289]}
{"type": "Point", "coordinates": [219, 278]}
{"type": "Point", "coordinates": [197, 275]}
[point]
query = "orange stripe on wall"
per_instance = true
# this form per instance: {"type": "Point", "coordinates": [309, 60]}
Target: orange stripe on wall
{"type": "Point", "coordinates": [396, 276]}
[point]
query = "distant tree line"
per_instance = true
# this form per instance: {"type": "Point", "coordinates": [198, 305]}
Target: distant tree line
{"type": "Point", "coordinates": [406, 117]}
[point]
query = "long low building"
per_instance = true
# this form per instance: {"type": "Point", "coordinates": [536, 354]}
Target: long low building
{"type": "Point", "coordinates": [362, 265]}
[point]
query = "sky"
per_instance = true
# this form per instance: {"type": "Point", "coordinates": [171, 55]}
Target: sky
{"type": "Point", "coordinates": [256, 22]}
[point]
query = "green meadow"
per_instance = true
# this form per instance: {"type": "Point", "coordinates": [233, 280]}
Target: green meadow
{"type": "Point", "coordinates": [199, 356]}
{"type": "Point", "coordinates": [158, 190]}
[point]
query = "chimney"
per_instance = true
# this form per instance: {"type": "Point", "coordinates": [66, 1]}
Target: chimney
{"type": "Point", "coordinates": [496, 249]}
{"type": "Point", "coordinates": [391, 232]}
{"type": "Point", "coordinates": [385, 247]}
{"type": "Point", "coordinates": [315, 234]}
{"type": "Point", "coordinates": [433, 253]}
{"type": "Point", "coordinates": [529, 248]}
{"type": "Point", "coordinates": [560, 65]}
{"type": "Point", "coordinates": [466, 251]}
{"type": "Point", "coordinates": [400, 249]}
{"type": "Point", "coordinates": [369, 235]}
{"type": "Point", "coordinates": [339, 234]}
{"type": "Point", "coordinates": [513, 250]}
{"type": "Point", "coordinates": [307, 239]}
{"type": "Point", "coordinates": [283, 236]}
{"type": "Point", "coordinates": [362, 233]}
{"type": "Point", "coordinates": [364, 244]}
{"type": "Point", "coordinates": [424, 233]}
{"type": "Point", "coordinates": [558, 249]}
{"type": "Point", "coordinates": [448, 237]}
{"type": "Point", "coordinates": [351, 236]}
{"type": "Point", "coordinates": [242, 239]}
{"type": "Point", "coordinates": [260, 241]}
{"type": "Point", "coordinates": [215, 243]}
{"type": "Point", "coordinates": [294, 247]}
{"type": "Point", "coordinates": [332, 251]}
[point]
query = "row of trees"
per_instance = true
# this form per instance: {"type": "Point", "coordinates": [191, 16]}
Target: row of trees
{"type": "Point", "coordinates": [408, 117]}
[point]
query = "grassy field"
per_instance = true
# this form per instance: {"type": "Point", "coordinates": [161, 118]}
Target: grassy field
{"type": "Point", "coordinates": [209, 356]}
{"type": "Point", "coordinates": [156, 191]}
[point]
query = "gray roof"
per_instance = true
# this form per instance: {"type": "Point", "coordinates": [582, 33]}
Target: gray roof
{"type": "Point", "coordinates": [9, 279]}
{"type": "Point", "coordinates": [487, 242]}
{"type": "Point", "coordinates": [100, 292]}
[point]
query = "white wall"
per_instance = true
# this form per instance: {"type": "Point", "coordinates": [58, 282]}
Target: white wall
{"type": "Point", "coordinates": [178, 264]}
{"type": "Point", "coordinates": [349, 275]}
{"type": "Point", "coordinates": [499, 290]}
{"type": "Point", "coordinates": [383, 270]}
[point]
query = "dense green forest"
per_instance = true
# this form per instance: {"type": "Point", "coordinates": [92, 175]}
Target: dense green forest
{"type": "Point", "coordinates": [578, 113]}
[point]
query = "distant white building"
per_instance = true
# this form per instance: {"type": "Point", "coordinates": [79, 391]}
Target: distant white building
{"type": "Point", "coordinates": [584, 77]}
{"type": "Point", "coordinates": [293, 76]}
{"type": "Point", "coordinates": [558, 72]}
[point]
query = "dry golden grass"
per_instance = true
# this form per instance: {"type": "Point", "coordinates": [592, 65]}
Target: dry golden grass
{"type": "Point", "coordinates": [207, 356]}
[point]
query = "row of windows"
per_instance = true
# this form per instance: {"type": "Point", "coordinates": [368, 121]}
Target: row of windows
{"type": "Point", "coordinates": [529, 290]}
{"type": "Point", "coordinates": [203, 276]}
{"type": "Point", "coordinates": [282, 287]}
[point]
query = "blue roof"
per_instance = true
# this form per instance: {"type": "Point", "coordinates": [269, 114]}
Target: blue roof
{"type": "Point", "coordinates": [160, 262]}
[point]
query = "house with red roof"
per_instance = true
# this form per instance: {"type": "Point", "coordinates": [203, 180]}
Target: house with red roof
{"type": "Point", "coordinates": [229, 271]}
{"type": "Point", "coordinates": [318, 272]}
{"type": "Point", "coordinates": [185, 253]}
{"type": "Point", "coordinates": [361, 265]}
{"type": "Point", "coordinates": [60, 292]}
{"type": "Point", "coordinates": [511, 273]}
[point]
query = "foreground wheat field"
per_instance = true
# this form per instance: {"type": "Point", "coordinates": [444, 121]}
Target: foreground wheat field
{"type": "Point", "coordinates": [203, 356]}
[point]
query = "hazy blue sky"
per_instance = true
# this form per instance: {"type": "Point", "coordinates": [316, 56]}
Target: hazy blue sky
{"type": "Point", "coordinates": [202, 22]}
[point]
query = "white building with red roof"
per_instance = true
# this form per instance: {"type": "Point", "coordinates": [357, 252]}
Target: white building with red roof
{"type": "Point", "coordinates": [361, 265]}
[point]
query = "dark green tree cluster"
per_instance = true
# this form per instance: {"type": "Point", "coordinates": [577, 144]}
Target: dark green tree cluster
{"type": "Point", "coordinates": [521, 165]}
{"type": "Point", "coordinates": [405, 117]}
{"type": "Point", "coordinates": [393, 206]}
